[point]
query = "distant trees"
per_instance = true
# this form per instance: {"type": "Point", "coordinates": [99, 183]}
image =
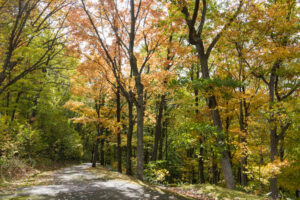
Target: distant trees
{"type": "Point", "coordinates": [31, 37]}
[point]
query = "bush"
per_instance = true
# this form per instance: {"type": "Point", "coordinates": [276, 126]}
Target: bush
{"type": "Point", "coordinates": [155, 172]}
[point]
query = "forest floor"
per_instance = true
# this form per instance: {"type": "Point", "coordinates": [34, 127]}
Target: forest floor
{"type": "Point", "coordinates": [83, 182]}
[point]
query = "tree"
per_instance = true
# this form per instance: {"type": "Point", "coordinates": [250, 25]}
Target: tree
{"type": "Point", "coordinates": [273, 45]}
{"type": "Point", "coordinates": [195, 37]}
{"type": "Point", "coordinates": [137, 31]}
{"type": "Point", "coordinates": [28, 44]}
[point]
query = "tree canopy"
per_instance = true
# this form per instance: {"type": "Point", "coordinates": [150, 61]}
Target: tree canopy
{"type": "Point", "coordinates": [173, 92]}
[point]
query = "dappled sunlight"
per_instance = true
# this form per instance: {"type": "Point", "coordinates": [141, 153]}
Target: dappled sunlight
{"type": "Point", "coordinates": [51, 190]}
{"type": "Point", "coordinates": [78, 182]}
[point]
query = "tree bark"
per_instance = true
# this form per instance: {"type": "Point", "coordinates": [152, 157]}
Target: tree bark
{"type": "Point", "coordinates": [201, 165]}
{"type": "Point", "coordinates": [96, 150]}
{"type": "Point", "coordinates": [214, 169]}
{"type": "Point", "coordinates": [273, 129]}
{"type": "Point", "coordinates": [158, 128]}
{"type": "Point", "coordinates": [212, 104]}
{"type": "Point", "coordinates": [161, 144]}
{"type": "Point", "coordinates": [140, 93]}
{"type": "Point", "coordinates": [129, 138]}
{"type": "Point", "coordinates": [165, 130]}
{"type": "Point", "coordinates": [119, 131]}
{"type": "Point", "coordinates": [242, 121]}
{"type": "Point", "coordinates": [140, 132]}
{"type": "Point", "coordinates": [102, 156]}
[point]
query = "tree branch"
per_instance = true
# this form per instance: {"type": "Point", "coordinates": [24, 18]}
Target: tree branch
{"type": "Point", "coordinates": [218, 36]}
{"type": "Point", "coordinates": [203, 15]}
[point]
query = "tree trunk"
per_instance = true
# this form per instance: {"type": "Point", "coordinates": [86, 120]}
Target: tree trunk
{"type": "Point", "coordinates": [165, 130]}
{"type": "Point", "coordinates": [273, 129]}
{"type": "Point", "coordinates": [96, 150]}
{"type": "Point", "coordinates": [140, 118]}
{"type": "Point", "coordinates": [244, 177]}
{"type": "Point", "coordinates": [273, 144]}
{"type": "Point", "coordinates": [161, 144]}
{"type": "Point", "coordinates": [102, 159]}
{"type": "Point", "coordinates": [140, 93]}
{"type": "Point", "coordinates": [214, 169]}
{"type": "Point", "coordinates": [201, 164]}
{"type": "Point", "coordinates": [201, 150]}
{"type": "Point", "coordinates": [140, 146]}
{"type": "Point", "coordinates": [243, 125]}
{"type": "Point", "coordinates": [119, 131]}
{"type": "Point", "coordinates": [129, 139]}
{"type": "Point", "coordinates": [212, 104]}
{"type": "Point", "coordinates": [158, 129]}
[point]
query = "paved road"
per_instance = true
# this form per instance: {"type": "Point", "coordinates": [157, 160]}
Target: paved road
{"type": "Point", "coordinates": [78, 183]}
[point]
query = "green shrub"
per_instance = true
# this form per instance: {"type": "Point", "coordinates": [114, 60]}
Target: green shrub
{"type": "Point", "coordinates": [155, 172]}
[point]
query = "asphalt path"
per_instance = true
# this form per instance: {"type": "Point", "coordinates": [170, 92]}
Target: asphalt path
{"type": "Point", "coordinates": [77, 182]}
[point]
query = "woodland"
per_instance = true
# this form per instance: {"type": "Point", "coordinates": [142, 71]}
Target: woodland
{"type": "Point", "coordinates": [170, 91]}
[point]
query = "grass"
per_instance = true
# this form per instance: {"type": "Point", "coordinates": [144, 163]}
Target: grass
{"type": "Point", "coordinates": [214, 192]}
{"type": "Point", "coordinates": [19, 174]}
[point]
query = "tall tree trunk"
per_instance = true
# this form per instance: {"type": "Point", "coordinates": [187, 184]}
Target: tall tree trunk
{"type": "Point", "coordinates": [158, 128]}
{"type": "Point", "coordinates": [201, 164]}
{"type": "Point", "coordinates": [214, 169]}
{"type": "Point", "coordinates": [212, 104]}
{"type": "Point", "coordinates": [136, 72]}
{"type": "Point", "coordinates": [274, 153]}
{"type": "Point", "coordinates": [243, 129]}
{"type": "Point", "coordinates": [165, 130]}
{"type": "Point", "coordinates": [96, 148]}
{"type": "Point", "coordinates": [119, 131]}
{"type": "Point", "coordinates": [102, 156]}
{"type": "Point", "coordinates": [129, 138]}
{"type": "Point", "coordinates": [242, 119]}
{"type": "Point", "coordinates": [273, 129]}
{"type": "Point", "coordinates": [201, 150]}
{"type": "Point", "coordinates": [161, 144]}
{"type": "Point", "coordinates": [140, 132]}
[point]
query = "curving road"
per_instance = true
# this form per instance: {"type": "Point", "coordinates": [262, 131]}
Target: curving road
{"type": "Point", "coordinates": [78, 183]}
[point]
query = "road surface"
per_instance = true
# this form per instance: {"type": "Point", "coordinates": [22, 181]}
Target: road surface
{"type": "Point", "coordinates": [77, 182]}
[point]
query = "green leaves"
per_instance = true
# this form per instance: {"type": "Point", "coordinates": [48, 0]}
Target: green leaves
{"type": "Point", "coordinates": [208, 84]}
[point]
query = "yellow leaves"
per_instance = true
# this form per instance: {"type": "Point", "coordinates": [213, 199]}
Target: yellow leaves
{"type": "Point", "coordinates": [274, 168]}
{"type": "Point", "coordinates": [156, 82]}
{"type": "Point", "coordinates": [161, 174]}
{"type": "Point", "coordinates": [150, 118]}
{"type": "Point", "coordinates": [101, 137]}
